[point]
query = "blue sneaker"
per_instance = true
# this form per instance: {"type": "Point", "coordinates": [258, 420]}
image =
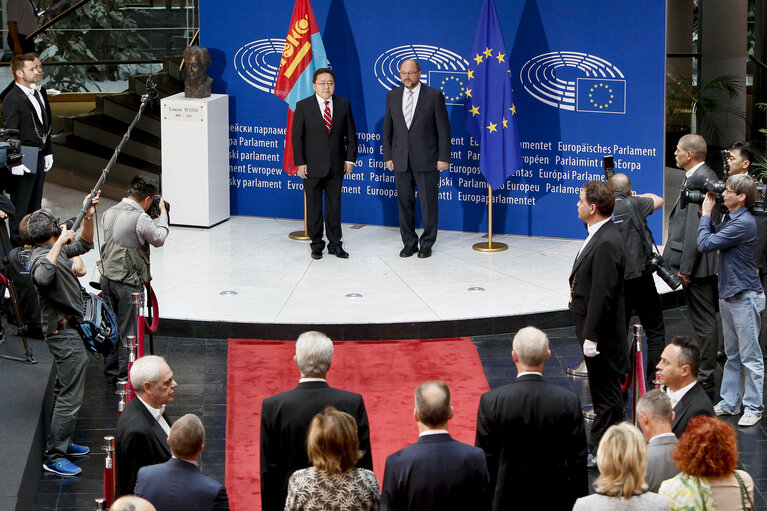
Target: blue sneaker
{"type": "Point", "coordinates": [77, 450]}
{"type": "Point", "coordinates": [63, 467]}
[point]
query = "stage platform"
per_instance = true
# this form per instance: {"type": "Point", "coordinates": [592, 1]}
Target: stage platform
{"type": "Point", "coordinates": [246, 278]}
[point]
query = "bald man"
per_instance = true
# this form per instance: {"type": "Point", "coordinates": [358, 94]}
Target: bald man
{"type": "Point", "coordinates": [131, 503]}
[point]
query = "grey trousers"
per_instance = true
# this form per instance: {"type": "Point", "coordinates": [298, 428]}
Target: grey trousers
{"type": "Point", "coordinates": [119, 296]}
{"type": "Point", "coordinates": [71, 360]}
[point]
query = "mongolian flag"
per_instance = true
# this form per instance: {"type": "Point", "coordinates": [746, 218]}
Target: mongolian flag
{"type": "Point", "coordinates": [491, 116]}
{"type": "Point", "coordinates": [304, 53]}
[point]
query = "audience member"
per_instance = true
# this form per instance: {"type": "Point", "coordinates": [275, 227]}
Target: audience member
{"type": "Point", "coordinates": [622, 464]}
{"type": "Point", "coordinates": [285, 419]}
{"type": "Point", "coordinates": [332, 482]}
{"type": "Point", "coordinates": [529, 428]}
{"type": "Point", "coordinates": [178, 484]}
{"type": "Point", "coordinates": [678, 371]}
{"type": "Point", "coordinates": [707, 455]}
{"type": "Point", "coordinates": [655, 415]}
{"type": "Point", "coordinates": [131, 503]}
{"type": "Point", "coordinates": [437, 472]}
{"type": "Point", "coordinates": [143, 428]}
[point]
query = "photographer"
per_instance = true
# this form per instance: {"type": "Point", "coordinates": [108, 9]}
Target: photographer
{"type": "Point", "coordinates": [124, 265]}
{"type": "Point", "coordinates": [61, 305]}
{"type": "Point", "coordinates": [696, 271]}
{"type": "Point", "coordinates": [630, 215]}
{"type": "Point", "coordinates": [741, 297]}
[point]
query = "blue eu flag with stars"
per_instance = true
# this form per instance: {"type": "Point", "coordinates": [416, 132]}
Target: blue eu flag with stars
{"type": "Point", "coordinates": [491, 117]}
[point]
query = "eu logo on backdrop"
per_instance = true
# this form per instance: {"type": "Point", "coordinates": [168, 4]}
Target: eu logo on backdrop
{"type": "Point", "coordinates": [601, 95]}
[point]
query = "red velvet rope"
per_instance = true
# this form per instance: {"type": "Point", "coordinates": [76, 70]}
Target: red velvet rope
{"type": "Point", "coordinates": [156, 316]}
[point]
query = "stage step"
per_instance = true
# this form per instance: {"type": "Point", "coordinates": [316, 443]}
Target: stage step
{"type": "Point", "coordinates": [107, 131]}
{"type": "Point", "coordinates": [124, 107]}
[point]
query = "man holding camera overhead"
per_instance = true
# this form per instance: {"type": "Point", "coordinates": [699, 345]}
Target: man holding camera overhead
{"type": "Point", "coordinates": [124, 265]}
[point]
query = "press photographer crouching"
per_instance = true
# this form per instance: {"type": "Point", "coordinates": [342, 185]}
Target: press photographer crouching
{"type": "Point", "coordinates": [630, 215]}
{"type": "Point", "coordinates": [741, 296]}
{"type": "Point", "coordinates": [61, 304]}
{"type": "Point", "coordinates": [139, 220]}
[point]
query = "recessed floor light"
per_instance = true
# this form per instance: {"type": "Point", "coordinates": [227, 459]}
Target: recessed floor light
{"type": "Point", "coordinates": [228, 292]}
{"type": "Point", "coordinates": [353, 295]}
{"type": "Point", "coordinates": [475, 289]}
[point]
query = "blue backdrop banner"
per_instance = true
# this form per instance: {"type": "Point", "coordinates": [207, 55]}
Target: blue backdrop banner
{"type": "Point", "coordinates": [587, 80]}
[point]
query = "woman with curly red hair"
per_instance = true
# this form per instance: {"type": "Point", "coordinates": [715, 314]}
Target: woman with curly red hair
{"type": "Point", "coordinates": [707, 454]}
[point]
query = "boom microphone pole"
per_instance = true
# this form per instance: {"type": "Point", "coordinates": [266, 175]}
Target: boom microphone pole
{"type": "Point", "coordinates": [151, 95]}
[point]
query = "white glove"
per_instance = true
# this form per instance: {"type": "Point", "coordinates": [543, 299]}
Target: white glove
{"type": "Point", "coordinates": [19, 170]}
{"type": "Point", "coordinates": [48, 162]}
{"type": "Point", "coordinates": [590, 349]}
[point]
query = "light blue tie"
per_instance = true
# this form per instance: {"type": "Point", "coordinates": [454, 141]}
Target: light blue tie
{"type": "Point", "coordinates": [409, 109]}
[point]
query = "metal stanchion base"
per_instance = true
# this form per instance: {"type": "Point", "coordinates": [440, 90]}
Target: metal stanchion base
{"type": "Point", "coordinates": [484, 246]}
{"type": "Point", "coordinates": [579, 370]}
{"type": "Point", "coordinates": [299, 235]}
{"type": "Point", "coordinates": [588, 413]}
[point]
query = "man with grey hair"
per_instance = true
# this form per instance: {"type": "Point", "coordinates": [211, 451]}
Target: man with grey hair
{"type": "Point", "coordinates": [285, 419]}
{"type": "Point", "coordinates": [131, 503]}
{"type": "Point", "coordinates": [741, 297]}
{"type": "Point", "coordinates": [437, 472]}
{"type": "Point", "coordinates": [531, 427]}
{"type": "Point", "coordinates": [143, 428]}
{"type": "Point", "coordinates": [655, 415]}
{"type": "Point", "coordinates": [178, 484]}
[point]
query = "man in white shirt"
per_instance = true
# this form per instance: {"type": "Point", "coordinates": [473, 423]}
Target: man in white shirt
{"type": "Point", "coordinates": [654, 414]}
{"type": "Point", "coordinates": [143, 428]}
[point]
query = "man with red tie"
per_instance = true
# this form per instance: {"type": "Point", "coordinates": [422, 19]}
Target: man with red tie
{"type": "Point", "coordinates": [325, 150]}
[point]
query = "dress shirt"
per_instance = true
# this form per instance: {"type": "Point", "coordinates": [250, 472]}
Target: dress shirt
{"type": "Point", "coordinates": [677, 396]}
{"type": "Point", "coordinates": [157, 414]}
{"type": "Point", "coordinates": [146, 230]}
{"type": "Point", "coordinates": [30, 92]}
{"type": "Point", "coordinates": [192, 462]}
{"type": "Point", "coordinates": [433, 432]}
{"type": "Point", "coordinates": [692, 171]}
{"type": "Point", "coordinates": [321, 103]}
{"type": "Point", "coordinates": [593, 228]}
{"type": "Point", "coordinates": [529, 372]}
{"type": "Point", "coordinates": [669, 434]}
{"type": "Point", "coordinates": [735, 238]}
{"type": "Point", "coordinates": [306, 379]}
{"type": "Point", "coordinates": [416, 91]}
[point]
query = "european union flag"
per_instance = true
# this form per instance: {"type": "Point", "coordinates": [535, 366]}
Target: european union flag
{"type": "Point", "coordinates": [604, 95]}
{"type": "Point", "coordinates": [491, 117]}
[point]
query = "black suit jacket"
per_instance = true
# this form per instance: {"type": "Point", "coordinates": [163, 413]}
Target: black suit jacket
{"type": "Point", "coordinates": [313, 146]}
{"type": "Point", "coordinates": [139, 441]}
{"type": "Point", "coordinates": [534, 440]}
{"type": "Point", "coordinates": [695, 402]}
{"type": "Point", "coordinates": [596, 296]}
{"type": "Point", "coordinates": [177, 485]}
{"type": "Point", "coordinates": [19, 114]}
{"type": "Point", "coordinates": [681, 250]}
{"type": "Point", "coordinates": [285, 420]}
{"type": "Point", "coordinates": [428, 139]}
{"type": "Point", "coordinates": [438, 473]}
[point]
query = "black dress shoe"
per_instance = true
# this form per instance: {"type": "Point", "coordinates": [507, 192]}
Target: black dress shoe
{"type": "Point", "coordinates": [316, 254]}
{"type": "Point", "coordinates": [408, 251]}
{"type": "Point", "coordinates": [338, 252]}
{"type": "Point", "coordinates": [424, 252]}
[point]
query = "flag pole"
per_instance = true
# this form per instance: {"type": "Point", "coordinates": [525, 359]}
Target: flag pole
{"type": "Point", "coordinates": [489, 246]}
{"type": "Point", "coordinates": [301, 235]}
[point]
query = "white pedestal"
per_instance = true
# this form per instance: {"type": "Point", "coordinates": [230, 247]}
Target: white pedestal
{"type": "Point", "coordinates": [195, 158]}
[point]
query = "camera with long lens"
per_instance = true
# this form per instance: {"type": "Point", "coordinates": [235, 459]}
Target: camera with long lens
{"type": "Point", "coordinates": [154, 208]}
{"type": "Point", "coordinates": [608, 164]}
{"type": "Point", "coordinates": [694, 192]}
{"type": "Point", "coordinates": [658, 265]}
{"type": "Point", "coordinates": [759, 207]}
{"type": "Point", "coordinates": [10, 150]}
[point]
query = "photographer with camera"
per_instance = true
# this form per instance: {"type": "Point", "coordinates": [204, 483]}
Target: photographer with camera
{"type": "Point", "coordinates": [741, 296]}
{"type": "Point", "coordinates": [61, 305]}
{"type": "Point", "coordinates": [630, 214]}
{"type": "Point", "coordinates": [696, 271]}
{"type": "Point", "coordinates": [124, 265]}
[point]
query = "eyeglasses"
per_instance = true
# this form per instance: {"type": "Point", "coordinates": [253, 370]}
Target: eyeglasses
{"type": "Point", "coordinates": [325, 84]}
{"type": "Point", "coordinates": [409, 73]}
{"type": "Point", "coordinates": [727, 190]}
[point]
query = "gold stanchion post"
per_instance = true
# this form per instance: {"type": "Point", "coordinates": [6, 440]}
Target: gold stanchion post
{"type": "Point", "coordinates": [301, 235]}
{"type": "Point", "coordinates": [489, 246]}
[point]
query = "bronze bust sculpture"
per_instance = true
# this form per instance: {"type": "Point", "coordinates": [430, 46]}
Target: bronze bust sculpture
{"type": "Point", "coordinates": [197, 83]}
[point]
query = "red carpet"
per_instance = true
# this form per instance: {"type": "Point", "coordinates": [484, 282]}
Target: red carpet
{"type": "Point", "coordinates": [386, 373]}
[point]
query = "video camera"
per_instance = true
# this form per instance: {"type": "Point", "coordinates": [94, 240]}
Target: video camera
{"type": "Point", "coordinates": [10, 148]}
{"type": "Point", "coordinates": [694, 192]}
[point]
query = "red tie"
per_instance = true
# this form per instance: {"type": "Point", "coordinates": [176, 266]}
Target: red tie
{"type": "Point", "coordinates": [326, 115]}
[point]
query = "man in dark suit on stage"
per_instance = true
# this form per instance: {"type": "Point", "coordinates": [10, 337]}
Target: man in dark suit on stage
{"type": "Point", "coordinates": [325, 150]}
{"type": "Point", "coordinates": [285, 419]}
{"type": "Point", "coordinates": [143, 428]}
{"type": "Point", "coordinates": [178, 484]}
{"type": "Point", "coordinates": [531, 427]}
{"type": "Point", "coordinates": [678, 372]}
{"type": "Point", "coordinates": [416, 145]}
{"type": "Point", "coordinates": [26, 109]}
{"type": "Point", "coordinates": [697, 271]}
{"type": "Point", "coordinates": [437, 472]}
{"type": "Point", "coordinates": [596, 301]}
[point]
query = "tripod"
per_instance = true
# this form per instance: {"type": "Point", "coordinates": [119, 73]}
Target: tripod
{"type": "Point", "coordinates": [5, 279]}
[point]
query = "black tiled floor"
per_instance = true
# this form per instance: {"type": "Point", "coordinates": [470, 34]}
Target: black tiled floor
{"type": "Point", "coordinates": [199, 365]}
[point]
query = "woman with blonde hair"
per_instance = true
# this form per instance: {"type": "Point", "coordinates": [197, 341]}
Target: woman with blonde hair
{"type": "Point", "coordinates": [622, 462]}
{"type": "Point", "coordinates": [707, 454]}
{"type": "Point", "coordinates": [332, 483]}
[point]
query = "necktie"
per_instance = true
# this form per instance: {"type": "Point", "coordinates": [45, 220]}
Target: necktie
{"type": "Point", "coordinates": [39, 99]}
{"type": "Point", "coordinates": [409, 109]}
{"type": "Point", "coordinates": [326, 116]}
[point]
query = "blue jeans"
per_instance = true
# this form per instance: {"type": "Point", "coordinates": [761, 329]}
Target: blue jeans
{"type": "Point", "coordinates": [741, 322]}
